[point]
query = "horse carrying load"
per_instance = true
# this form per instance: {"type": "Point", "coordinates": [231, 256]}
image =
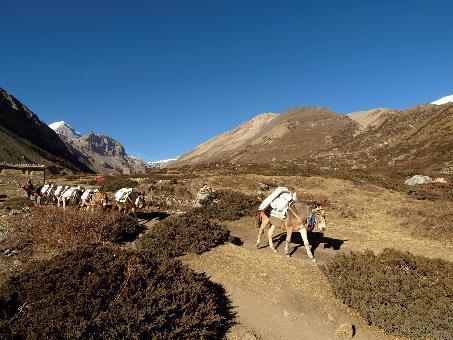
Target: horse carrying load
{"type": "Point", "coordinates": [284, 210]}
{"type": "Point", "coordinates": [129, 200]}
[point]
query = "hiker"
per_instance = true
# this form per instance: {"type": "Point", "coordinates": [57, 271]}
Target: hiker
{"type": "Point", "coordinates": [28, 187]}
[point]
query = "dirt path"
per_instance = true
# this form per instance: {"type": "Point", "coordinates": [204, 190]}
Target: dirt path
{"type": "Point", "coordinates": [277, 297]}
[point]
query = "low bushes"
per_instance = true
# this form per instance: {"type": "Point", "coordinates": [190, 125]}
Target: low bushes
{"type": "Point", "coordinates": [399, 292]}
{"type": "Point", "coordinates": [106, 292]}
{"type": "Point", "coordinates": [16, 203]}
{"type": "Point", "coordinates": [48, 227]}
{"type": "Point", "coordinates": [116, 182]}
{"type": "Point", "coordinates": [229, 205]}
{"type": "Point", "coordinates": [181, 234]}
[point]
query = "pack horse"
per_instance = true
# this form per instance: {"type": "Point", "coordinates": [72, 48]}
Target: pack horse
{"type": "Point", "coordinates": [282, 209]}
{"type": "Point", "coordinates": [128, 200]}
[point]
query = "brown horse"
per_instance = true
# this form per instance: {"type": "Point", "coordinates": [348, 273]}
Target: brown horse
{"type": "Point", "coordinates": [296, 220]}
{"type": "Point", "coordinates": [97, 199]}
{"type": "Point", "coordinates": [135, 200]}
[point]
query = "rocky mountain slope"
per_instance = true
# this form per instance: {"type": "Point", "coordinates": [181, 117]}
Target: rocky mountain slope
{"type": "Point", "coordinates": [419, 137]}
{"type": "Point", "coordinates": [101, 153]}
{"type": "Point", "coordinates": [268, 137]}
{"type": "Point", "coordinates": [24, 138]}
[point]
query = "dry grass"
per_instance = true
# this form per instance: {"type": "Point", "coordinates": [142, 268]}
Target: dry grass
{"type": "Point", "coordinates": [49, 228]}
{"type": "Point", "coordinates": [16, 203]}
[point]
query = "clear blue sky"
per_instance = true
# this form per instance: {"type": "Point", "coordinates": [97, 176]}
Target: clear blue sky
{"type": "Point", "coordinates": [164, 76]}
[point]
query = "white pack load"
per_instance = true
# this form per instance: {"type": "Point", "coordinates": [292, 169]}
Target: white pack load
{"type": "Point", "coordinates": [58, 190]}
{"type": "Point", "coordinates": [280, 205]}
{"type": "Point", "coordinates": [68, 193]}
{"type": "Point", "coordinates": [277, 192]}
{"type": "Point", "coordinates": [66, 188]}
{"type": "Point", "coordinates": [87, 194]}
{"type": "Point", "coordinates": [44, 189]}
{"type": "Point", "coordinates": [122, 194]}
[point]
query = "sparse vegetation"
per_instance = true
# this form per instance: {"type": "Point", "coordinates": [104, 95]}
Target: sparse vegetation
{"type": "Point", "coordinates": [116, 182]}
{"type": "Point", "coordinates": [50, 228]}
{"type": "Point", "coordinates": [399, 292]}
{"type": "Point", "coordinates": [227, 205]}
{"type": "Point", "coordinates": [16, 203]}
{"type": "Point", "coordinates": [436, 225]}
{"type": "Point", "coordinates": [108, 293]}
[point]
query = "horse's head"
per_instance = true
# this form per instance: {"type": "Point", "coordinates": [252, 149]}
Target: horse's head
{"type": "Point", "coordinates": [104, 199]}
{"type": "Point", "coordinates": [320, 218]}
{"type": "Point", "coordinates": [302, 211]}
{"type": "Point", "coordinates": [140, 201]}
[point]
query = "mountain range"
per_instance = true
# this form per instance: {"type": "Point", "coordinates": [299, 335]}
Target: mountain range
{"type": "Point", "coordinates": [418, 137]}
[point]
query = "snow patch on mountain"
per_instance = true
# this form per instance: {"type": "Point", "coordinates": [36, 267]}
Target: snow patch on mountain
{"type": "Point", "coordinates": [161, 163]}
{"type": "Point", "coordinates": [443, 100]}
{"type": "Point", "coordinates": [65, 130]}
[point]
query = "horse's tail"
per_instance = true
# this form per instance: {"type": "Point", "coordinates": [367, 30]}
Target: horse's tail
{"type": "Point", "coordinates": [259, 218]}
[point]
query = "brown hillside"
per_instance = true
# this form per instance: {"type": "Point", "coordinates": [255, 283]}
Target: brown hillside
{"type": "Point", "coordinates": [269, 137]}
{"type": "Point", "coordinates": [419, 137]}
{"type": "Point", "coordinates": [25, 138]}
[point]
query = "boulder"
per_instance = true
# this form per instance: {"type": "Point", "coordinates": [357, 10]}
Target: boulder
{"type": "Point", "coordinates": [440, 180]}
{"type": "Point", "coordinates": [345, 330]}
{"type": "Point", "coordinates": [418, 179]}
{"type": "Point", "coordinates": [203, 196]}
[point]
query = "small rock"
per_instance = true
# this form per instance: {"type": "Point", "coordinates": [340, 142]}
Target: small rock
{"type": "Point", "coordinates": [286, 313]}
{"type": "Point", "coordinates": [330, 317]}
{"type": "Point", "coordinates": [418, 179]}
{"type": "Point", "coordinates": [346, 330]}
{"type": "Point", "coordinates": [14, 212]}
{"type": "Point", "coordinates": [13, 252]}
{"type": "Point", "coordinates": [263, 186]}
{"type": "Point", "coordinates": [263, 274]}
{"type": "Point", "coordinates": [440, 180]}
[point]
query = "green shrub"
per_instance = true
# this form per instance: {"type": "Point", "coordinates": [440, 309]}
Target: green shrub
{"type": "Point", "coordinates": [399, 292]}
{"type": "Point", "coordinates": [229, 205]}
{"type": "Point", "coordinates": [181, 234]}
{"type": "Point", "coordinates": [116, 182]}
{"type": "Point", "coordinates": [104, 292]}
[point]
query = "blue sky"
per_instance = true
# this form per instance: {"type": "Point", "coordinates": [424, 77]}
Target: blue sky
{"type": "Point", "coordinates": [164, 76]}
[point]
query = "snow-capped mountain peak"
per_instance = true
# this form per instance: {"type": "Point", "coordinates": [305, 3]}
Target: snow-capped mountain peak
{"type": "Point", "coordinates": [162, 163]}
{"type": "Point", "coordinates": [64, 129]}
{"type": "Point", "coordinates": [443, 100]}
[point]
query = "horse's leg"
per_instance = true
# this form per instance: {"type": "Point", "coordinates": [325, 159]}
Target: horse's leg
{"type": "Point", "coordinates": [264, 224]}
{"type": "Point", "coordinates": [289, 232]}
{"type": "Point", "coordinates": [64, 203]}
{"type": "Point", "coordinates": [269, 235]}
{"type": "Point", "coordinates": [304, 234]}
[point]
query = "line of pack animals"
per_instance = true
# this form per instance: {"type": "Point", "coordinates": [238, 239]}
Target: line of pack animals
{"type": "Point", "coordinates": [126, 199]}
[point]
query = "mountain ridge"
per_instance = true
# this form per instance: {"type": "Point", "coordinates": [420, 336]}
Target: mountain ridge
{"type": "Point", "coordinates": [102, 153]}
{"type": "Point", "coordinates": [25, 138]}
